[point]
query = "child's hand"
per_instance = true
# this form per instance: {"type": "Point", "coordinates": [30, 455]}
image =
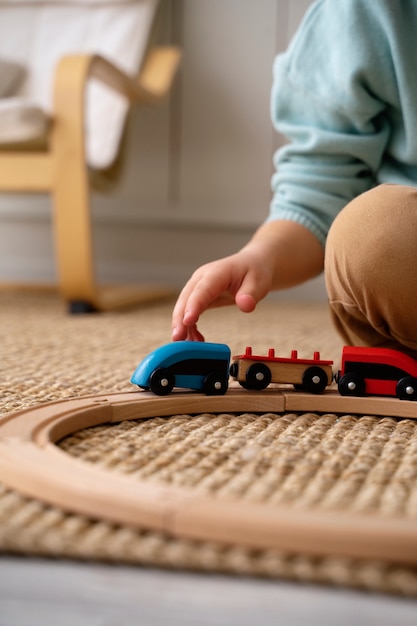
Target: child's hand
{"type": "Point", "coordinates": [240, 279]}
{"type": "Point", "coordinates": [281, 254]}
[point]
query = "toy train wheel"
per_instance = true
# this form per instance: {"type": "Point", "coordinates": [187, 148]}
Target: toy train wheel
{"type": "Point", "coordinates": [315, 380]}
{"type": "Point", "coordinates": [351, 385]}
{"type": "Point", "coordinates": [407, 388]}
{"type": "Point", "coordinates": [215, 384]}
{"type": "Point", "coordinates": [161, 381]}
{"type": "Point", "coordinates": [258, 376]}
{"type": "Point", "coordinates": [234, 368]}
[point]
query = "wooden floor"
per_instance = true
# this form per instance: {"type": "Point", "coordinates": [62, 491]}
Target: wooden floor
{"type": "Point", "coordinates": [57, 593]}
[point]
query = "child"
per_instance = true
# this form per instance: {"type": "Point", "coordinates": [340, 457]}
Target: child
{"type": "Point", "coordinates": [345, 95]}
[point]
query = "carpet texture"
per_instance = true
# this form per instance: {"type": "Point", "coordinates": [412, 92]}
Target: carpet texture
{"type": "Point", "coordinates": [355, 463]}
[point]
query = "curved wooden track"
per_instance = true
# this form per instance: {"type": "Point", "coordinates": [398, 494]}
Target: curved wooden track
{"type": "Point", "coordinates": [31, 463]}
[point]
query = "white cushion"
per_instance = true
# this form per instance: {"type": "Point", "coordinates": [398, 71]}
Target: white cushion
{"type": "Point", "coordinates": [36, 35]}
{"type": "Point", "coordinates": [11, 75]}
{"type": "Point", "coordinates": [21, 121]}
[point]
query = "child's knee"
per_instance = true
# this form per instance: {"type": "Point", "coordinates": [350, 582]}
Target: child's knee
{"type": "Point", "coordinates": [375, 234]}
{"type": "Point", "coordinates": [371, 258]}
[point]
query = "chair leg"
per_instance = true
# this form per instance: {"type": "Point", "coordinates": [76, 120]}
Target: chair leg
{"type": "Point", "coordinates": [71, 197]}
{"type": "Point", "coordinates": [71, 193]}
{"type": "Point", "coordinates": [75, 252]}
{"type": "Point", "coordinates": [74, 239]}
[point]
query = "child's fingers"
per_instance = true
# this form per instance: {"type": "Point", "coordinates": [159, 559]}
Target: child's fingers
{"type": "Point", "coordinates": [245, 302]}
{"type": "Point", "coordinates": [192, 301]}
{"type": "Point", "coordinates": [203, 290]}
{"type": "Point", "coordinates": [179, 329]}
{"type": "Point", "coordinates": [193, 334]}
{"type": "Point", "coordinates": [254, 287]}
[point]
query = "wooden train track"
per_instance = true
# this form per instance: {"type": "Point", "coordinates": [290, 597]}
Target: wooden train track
{"type": "Point", "coordinates": [32, 464]}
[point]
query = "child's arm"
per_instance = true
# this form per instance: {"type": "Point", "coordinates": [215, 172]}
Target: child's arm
{"type": "Point", "coordinates": [281, 254]}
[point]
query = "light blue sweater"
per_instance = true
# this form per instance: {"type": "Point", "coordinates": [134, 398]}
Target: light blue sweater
{"type": "Point", "coordinates": [345, 95]}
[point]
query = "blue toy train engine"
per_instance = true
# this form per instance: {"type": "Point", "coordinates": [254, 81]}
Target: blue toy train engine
{"type": "Point", "coordinates": [187, 364]}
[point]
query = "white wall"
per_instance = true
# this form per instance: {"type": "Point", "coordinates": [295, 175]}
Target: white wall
{"type": "Point", "coordinates": [196, 175]}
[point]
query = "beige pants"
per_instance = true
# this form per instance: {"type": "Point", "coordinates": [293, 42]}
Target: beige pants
{"type": "Point", "coordinates": [371, 269]}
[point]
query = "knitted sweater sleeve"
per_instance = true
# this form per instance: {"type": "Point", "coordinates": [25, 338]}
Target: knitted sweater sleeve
{"type": "Point", "coordinates": [329, 99]}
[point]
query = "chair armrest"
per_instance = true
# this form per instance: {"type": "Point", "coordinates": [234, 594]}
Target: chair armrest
{"type": "Point", "coordinates": [70, 87]}
{"type": "Point", "coordinates": [158, 72]}
{"type": "Point", "coordinates": [70, 82]}
{"type": "Point", "coordinates": [155, 79]}
{"type": "Point", "coordinates": [153, 84]}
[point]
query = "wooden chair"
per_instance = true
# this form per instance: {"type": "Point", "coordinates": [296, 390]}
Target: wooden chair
{"type": "Point", "coordinates": [83, 77]}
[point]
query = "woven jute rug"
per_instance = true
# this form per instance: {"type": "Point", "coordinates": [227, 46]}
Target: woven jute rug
{"type": "Point", "coordinates": [347, 462]}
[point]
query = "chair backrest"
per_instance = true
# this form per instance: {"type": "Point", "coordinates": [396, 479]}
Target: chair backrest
{"type": "Point", "coordinates": [36, 34]}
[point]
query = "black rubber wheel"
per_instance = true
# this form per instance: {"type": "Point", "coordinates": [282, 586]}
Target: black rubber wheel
{"type": "Point", "coordinates": [234, 368]}
{"type": "Point", "coordinates": [351, 385]}
{"type": "Point", "coordinates": [315, 380]}
{"type": "Point", "coordinates": [258, 376]}
{"type": "Point", "coordinates": [81, 307]}
{"type": "Point", "coordinates": [161, 381]}
{"type": "Point", "coordinates": [407, 388]}
{"type": "Point", "coordinates": [215, 384]}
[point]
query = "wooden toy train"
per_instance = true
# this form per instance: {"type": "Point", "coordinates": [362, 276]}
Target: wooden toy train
{"type": "Point", "coordinates": [207, 367]}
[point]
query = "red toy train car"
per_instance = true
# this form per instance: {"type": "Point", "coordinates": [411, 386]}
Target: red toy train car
{"type": "Point", "coordinates": [377, 372]}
